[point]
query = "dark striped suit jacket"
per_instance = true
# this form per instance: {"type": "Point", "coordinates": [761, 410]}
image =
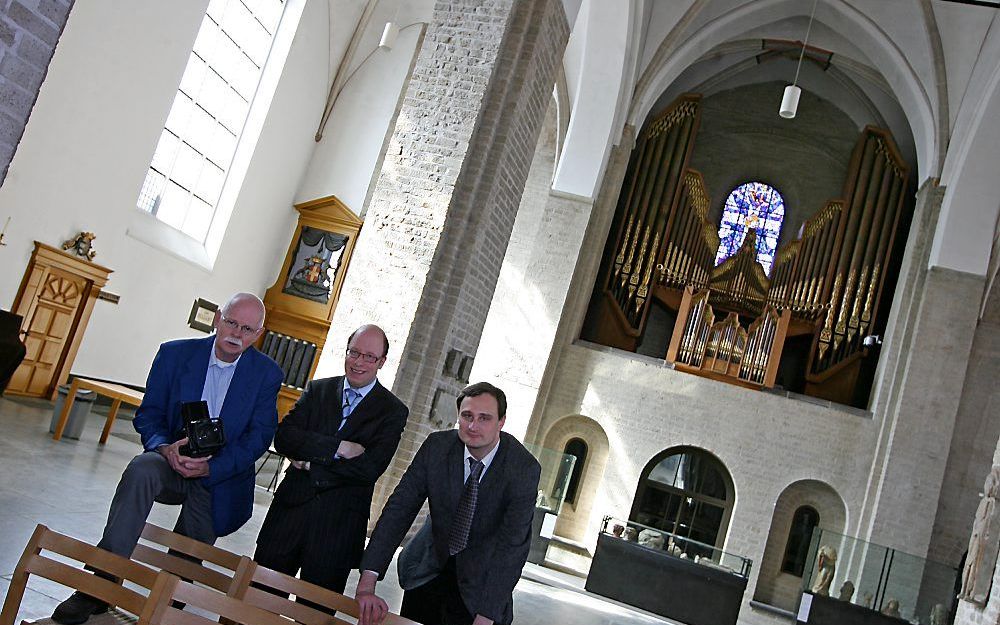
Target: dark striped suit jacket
{"type": "Point", "coordinates": [344, 487]}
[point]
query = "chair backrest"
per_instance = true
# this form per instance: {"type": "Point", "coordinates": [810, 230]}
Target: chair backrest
{"type": "Point", "coordinates": [34, 562]}
{"type": "Point", "coordinates": [183, 557]}
{"type": "Point", "coordinates": [160, 608]}
{"type": "Point", "coordinates": [252, 587]}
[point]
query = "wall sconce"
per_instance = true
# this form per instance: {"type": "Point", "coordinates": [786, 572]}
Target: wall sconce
{"type": "Point", "coordinates": [790, 99]}
{"type": "Point", "coordinates": [389, 34]}
{"type": "Point", "coordinates": [872, 340]}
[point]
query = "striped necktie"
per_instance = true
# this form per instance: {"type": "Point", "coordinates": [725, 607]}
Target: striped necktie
{"type": "Point", "coordinates": [350, 401]}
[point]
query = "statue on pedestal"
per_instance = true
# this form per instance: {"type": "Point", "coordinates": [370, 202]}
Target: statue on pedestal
{"type": "Point", "coordinates": [978, 571]}
{"type": "Point", "coordinates": [826, 566]}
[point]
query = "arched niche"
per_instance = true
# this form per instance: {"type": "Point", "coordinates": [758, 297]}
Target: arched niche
{"type": "Point", "coordinates": [775, 585]}
{"type": "Point", "coordinates": [574, 516]}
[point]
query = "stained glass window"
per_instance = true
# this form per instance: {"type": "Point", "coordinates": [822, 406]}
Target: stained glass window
{"type": "Point", "coordinates": [751, 206]}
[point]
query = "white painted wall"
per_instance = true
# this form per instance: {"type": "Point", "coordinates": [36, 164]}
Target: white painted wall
{"type": "Point", "coordinates": [348, 154]}
{"type": "Point", "coordinates": [86, 149]}
{"type": "Point", "coordinates": [596, 99]}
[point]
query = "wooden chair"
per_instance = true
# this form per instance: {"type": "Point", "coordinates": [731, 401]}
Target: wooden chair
{"type": "Point", "coordinates": [160, 608]}
{"type": "Point", "coordinates": [34, 562]}
{"type": "Point", "coordinates": [251, 587]}
{"type": "Point", "coordinates": [181, 558]}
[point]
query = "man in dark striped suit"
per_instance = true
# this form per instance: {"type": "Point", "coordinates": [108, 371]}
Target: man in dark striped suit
{"type": "Point", "coordinates": [341, 436]}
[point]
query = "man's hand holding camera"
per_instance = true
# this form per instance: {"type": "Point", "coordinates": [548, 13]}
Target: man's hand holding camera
{"type": "Point", "coordinates": [184, 465]}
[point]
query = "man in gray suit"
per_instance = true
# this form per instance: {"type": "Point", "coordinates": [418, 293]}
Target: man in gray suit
{"type": "Point", "coordinates": [480, 484]}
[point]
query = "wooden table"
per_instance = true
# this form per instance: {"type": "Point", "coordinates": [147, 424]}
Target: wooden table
{"type": "Point", "coordinates": [116, 392]}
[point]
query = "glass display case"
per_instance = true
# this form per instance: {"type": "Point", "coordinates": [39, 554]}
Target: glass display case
{"type": "Point", "coordinates": [668, 574]}
{"type": "Point", "coordinates": [843, 573]}
{"type": "Point", "coordinates": [677, 546]}
{"type": "Point", "coordinates": [557, 470]}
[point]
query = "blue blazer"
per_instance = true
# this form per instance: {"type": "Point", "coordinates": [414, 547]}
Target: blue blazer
{"type": "Point", "coordinates": [249, 415]}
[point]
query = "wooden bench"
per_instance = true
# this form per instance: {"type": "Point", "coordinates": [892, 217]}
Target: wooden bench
{"type": "Point", "coordinates": [34, 562]}
{"type": "Point", "coordinates": [119, 394]}
{"type": "Point", "coordinates": [235, 588]}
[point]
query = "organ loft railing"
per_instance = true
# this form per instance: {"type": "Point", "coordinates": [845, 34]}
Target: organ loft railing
{"type": "Point", "coordinates": [827, 283]}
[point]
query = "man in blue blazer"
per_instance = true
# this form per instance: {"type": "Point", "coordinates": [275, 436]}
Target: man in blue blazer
{"type": "Point", "coordinates": [215, 493]}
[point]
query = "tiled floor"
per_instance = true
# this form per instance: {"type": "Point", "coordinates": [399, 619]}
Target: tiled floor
{"type": "Point", "coordinates": [67, 485]}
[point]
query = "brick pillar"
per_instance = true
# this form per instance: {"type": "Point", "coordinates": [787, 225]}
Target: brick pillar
{"type": "Point", "coordinates": [435, 233]}
{"type": "Point", "coordinates": [29, 31]}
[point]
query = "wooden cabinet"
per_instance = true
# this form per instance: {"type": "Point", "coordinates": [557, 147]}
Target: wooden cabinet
{"type": "Point", "coordinates": [56, 296]}
{"type": "Point", "coordinates": [301, 303]}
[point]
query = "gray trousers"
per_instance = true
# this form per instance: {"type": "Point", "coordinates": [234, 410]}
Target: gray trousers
{"type": "Point", "coordinates": [148, 478]}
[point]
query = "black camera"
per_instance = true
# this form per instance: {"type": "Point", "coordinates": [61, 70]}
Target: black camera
{"type": "Point", "coordinates": [205, 435]}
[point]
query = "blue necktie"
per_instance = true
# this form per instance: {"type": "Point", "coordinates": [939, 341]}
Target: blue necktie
{"type": "Point", "coordinates": [350, 400]}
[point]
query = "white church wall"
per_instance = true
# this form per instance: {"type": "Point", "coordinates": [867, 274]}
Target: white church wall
{"type": "Point", "coordinates": [85, 152]}
{"type": "Point", "coordinates": [347, 157]}
{"type": "Point", "coordinates": [596, 100]}
{"type": "Point", "coordinates": [766, 441]}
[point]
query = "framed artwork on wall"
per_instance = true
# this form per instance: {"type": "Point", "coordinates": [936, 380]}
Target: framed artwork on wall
{"type": "Point", "coordinates": [202, 315]}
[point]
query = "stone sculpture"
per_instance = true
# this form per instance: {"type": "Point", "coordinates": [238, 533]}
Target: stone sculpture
{"type": "Point", "coordinates": [982, 557]}
{"type": "Point", "coordinates": [826, 566]}
{"type": "Point", "coordinates": [846, 591]}
{"type": "Point", "coordinates": [651, 538]}
{"type": "Point", "coordinates": [939, 614]}
{"type": "Point", "coordinates": [891, 608]}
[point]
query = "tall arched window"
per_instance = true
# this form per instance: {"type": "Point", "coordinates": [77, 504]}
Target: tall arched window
{"type": "Point", "coordinates": [805, 520]}
{"type": "Point", "coordinates": [577, 448]}
{"type": "Point", "coordinates": [751, 206]}
{"type": "Point", "coordinates": [687, 492]}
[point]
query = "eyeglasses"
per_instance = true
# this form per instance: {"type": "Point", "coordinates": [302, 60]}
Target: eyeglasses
{"type": "Point", "coordinates": [234, 325]}
{"type": "Point", "coordinates": [355, 354]}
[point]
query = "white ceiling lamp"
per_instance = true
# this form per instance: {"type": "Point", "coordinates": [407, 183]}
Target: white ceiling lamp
{"type": "Point", "coordinates": [790, 100]}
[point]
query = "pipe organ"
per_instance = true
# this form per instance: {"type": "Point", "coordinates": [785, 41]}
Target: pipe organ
{"type": "Point", "coordinates": [731, 321]}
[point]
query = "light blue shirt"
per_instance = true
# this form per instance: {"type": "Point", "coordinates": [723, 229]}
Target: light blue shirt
{"type": "Point", "coordinates": [217, 380]}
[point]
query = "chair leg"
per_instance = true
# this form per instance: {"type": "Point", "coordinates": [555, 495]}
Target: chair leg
{"type": "Point", "coordinates": [274, 479]}
{"type": "Point", "coordinates": [261, 467]}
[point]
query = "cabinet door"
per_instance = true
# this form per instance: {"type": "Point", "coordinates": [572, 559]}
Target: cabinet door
{"type": "Point", "coordinates": [50, 322]}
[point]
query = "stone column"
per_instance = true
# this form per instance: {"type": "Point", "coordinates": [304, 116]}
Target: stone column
{"type": "Point", "coordinates": [923, 371]}
{"type": "Point", "coordinates": [435, 233]}
{"type": "Point", "coordinates": [29, 32]}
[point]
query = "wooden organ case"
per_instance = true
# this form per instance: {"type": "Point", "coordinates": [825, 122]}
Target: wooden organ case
{"type": "Point", "coordinates": [301, 303]}
{"type": "Point", "coordinates": [732, 321]}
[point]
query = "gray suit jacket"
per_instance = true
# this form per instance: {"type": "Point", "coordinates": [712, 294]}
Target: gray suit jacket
{"type": "Point", "coordinates": [489, 567]}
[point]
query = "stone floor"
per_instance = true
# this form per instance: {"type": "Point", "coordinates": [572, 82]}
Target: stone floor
{"type": "Point", "coordinates": [67, 485]}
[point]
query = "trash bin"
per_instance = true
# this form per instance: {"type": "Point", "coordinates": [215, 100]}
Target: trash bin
{"type": "Point", "coordinates": [77, 416]}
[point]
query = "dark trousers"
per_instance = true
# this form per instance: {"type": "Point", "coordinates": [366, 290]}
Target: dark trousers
{"type": "Point", "coordinates": [148, 478]}
{"type": "Point", "coordinates": [438, 602]}
{"type": "Point", "coordinates": [285, 545]}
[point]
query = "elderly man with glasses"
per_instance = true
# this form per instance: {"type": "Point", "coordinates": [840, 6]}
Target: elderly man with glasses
{"type": "Point", "coordinates": [340, 436]}
{"type": "Point", "coordinates": [240, 387]}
